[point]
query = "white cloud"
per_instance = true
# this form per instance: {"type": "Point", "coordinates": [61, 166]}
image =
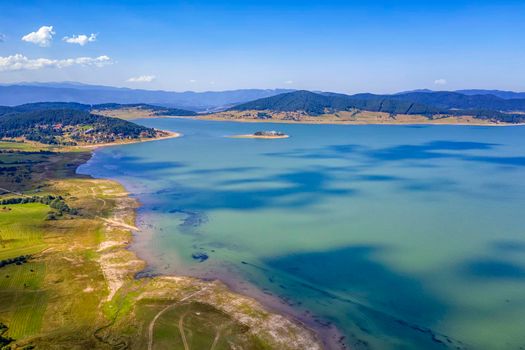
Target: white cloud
{"type": "Point", "coordinates": [81, 39]}
{"type": "Point", "coordinates": [21, 62]}
{"type": "Point", "coordinates": [142, 79]}
{"type": "Point", "coordinates": [193, 81]}
{"type": "Point", "coordinates": [288, 82]}
{"type": "Point", "coordinates": [440, 81]}
{"type": "Point", "coordinates": [41, 37]}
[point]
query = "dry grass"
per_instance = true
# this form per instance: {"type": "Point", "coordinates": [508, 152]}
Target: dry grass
{"type": "Point", "coordinates": [355, 117]}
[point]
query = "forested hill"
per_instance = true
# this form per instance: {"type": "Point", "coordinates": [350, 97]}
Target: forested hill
{"type": "Point", "coordinates": [40, 106]}
{"type": "Point", "coordinates": [445, 100]}
{"type": "Point", "coordinates": [69, 127]}
{"type": "Point", "coordinates": [315, 104]}
{"type": "Point", "coordinates": [156, 110]}
{"type": "Point", "coordinates": [415, 103]}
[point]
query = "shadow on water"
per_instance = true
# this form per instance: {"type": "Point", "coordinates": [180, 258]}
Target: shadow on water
{"type": "Point", "coordinates": [311, 185]}
{"type": "Point", "coordinates": [216, 171]}
{"type": "Point", "coordinates": [431, 185]}
{"type": "Point", "coordinates": [127, 162]}
{"type": "Point", "coordinates": [494, 269]}
{"type": "Point", "coordinates": [350, 280]}
{"type": "Point", "coordinates": [508, 246]}
{"type": "Point", "coordinates": [423, 152]}
{"type": "Point", "coordinates": [355, 269]}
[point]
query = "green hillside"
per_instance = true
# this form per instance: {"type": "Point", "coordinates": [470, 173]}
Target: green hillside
{"type": "Point", "coordinates": [421, 103]}
{"type": "Point", "coordinates": [69, 127]}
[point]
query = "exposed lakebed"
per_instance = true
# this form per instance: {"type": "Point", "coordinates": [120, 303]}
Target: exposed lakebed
{"type": "Point", "coordinates": [405, 237]}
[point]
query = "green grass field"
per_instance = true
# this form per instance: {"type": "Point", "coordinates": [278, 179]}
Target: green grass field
{"type": "Point", "coordinates": [20, 146]}
{"type": "Point", "coordinates": [22, 302]}
{"type": "Point", "coordinates": [26, 168]}
{"type": "Point", "coordinates": [21, 229]}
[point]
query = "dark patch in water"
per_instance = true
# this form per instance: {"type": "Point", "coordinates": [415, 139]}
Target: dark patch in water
{"type": "Point", "coordinates": [216, 171]}
{"type": "Point", "coordinates": [200, 256]}
{"type": "Point", "coordinates": [441, 149]}
{"type": "Point", "coordinates": [145, 166]}
{"type": "Point", "coordinates": [311, 184]}
{"type": "Point", "coordinates": [509, 246]}
{"type": "Point", "coordinates": [192, 219]}
{"type": "Point", "coordinates": [378, 178]}
{"type": "Point", "coordinates": [147, 272]}
{"type": "Point", "coordinates": [494, 269]}
{"type": "Point", "coordinates": [430, 185]}
{"type": "Point", "coordinates": [355, 268]}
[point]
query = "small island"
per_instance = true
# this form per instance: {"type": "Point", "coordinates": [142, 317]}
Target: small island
{"type": "Point", "coordinates": [263, 135]}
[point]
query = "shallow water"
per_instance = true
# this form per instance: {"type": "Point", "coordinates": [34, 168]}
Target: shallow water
{"type": "Point", "coordinates": [405, 237]}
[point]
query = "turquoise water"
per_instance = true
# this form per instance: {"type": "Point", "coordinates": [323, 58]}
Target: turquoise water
{"type": "Point", "coordinates": [404, 237]}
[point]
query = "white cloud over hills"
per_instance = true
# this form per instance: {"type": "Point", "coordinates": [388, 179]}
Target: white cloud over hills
{"type": "Point", "coordinates": [81, 39]}
{"type": "Point", "coordinates": [42, 37]}
{"type": "Point", "coordinates": [20, 62]}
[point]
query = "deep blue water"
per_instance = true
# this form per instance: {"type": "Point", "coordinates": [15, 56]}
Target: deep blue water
{"type": "Point", "coordinates": [405, 237]}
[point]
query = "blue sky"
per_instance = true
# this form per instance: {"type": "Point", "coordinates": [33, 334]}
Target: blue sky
{"type": "Point", "coordinates": [345, 46]}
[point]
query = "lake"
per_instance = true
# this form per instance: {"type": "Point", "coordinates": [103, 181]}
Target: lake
{"type": "Point", "coordinates": [404, 237]}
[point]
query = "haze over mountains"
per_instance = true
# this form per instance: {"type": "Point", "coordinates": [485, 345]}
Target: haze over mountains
{"type": "Point", "coordinates": [21, 93]}
{"type": "Point", "coordinates": [17, 94]}
{"type": "Point", "coordinates": [497, 93]}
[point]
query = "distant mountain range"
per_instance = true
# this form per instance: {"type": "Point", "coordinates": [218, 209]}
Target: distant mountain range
{"type": "Point", "coordinates": [21, 93]}
{"type": "Point", "coordinates": [497, 93]}
{"type": "Point", "coordinates": [478, 103]}
{"type": "Point", "coordinates": [411, 103]}
{"type": "Point", "coordinates": [17, 94]}
{"type": "Point", "coordinates": [445, 101]}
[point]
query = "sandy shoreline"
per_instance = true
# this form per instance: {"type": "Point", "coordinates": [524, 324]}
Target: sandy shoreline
{"type": "Point", "coordinates": [169, 135]}
{"type": "Point", "coordinates": [328, 334]}
{"type": "Point", "coordinates": [332, 122]}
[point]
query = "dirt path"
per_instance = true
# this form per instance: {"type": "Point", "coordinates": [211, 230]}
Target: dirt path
{"type": "Point", "coordinates": [152, 323]}
{"type": "Point", "coordinates": [13, 192]}
{"type": "Point", "coordinates": [182, 335]}
{"type": "Point", "coordinates": [216, 340]}
{"type": "Point", "coordinates": [119, 224]}
{"type": "Point", "coordinates": [98, 198]}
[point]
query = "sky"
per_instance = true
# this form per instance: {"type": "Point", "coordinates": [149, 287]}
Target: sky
{"type": "Point", "coordinates": [382, 46]}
